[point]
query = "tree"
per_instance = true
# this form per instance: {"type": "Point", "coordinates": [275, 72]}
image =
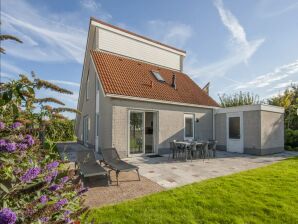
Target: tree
{"type": "Point", "coordinates": [238, 99]}
{"type": "Point", "coordinates": [288, 100]}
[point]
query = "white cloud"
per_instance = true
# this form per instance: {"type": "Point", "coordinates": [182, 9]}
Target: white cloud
{"type": "Point", "coordinates": [284, 84]}
{"type": "Point", "coordinates": [241, 49]}
{"type": "Point", "coordinates": [63, 82]}
{"type": "Point", "coordinates": [54, 43]}
{"type": "Point", "coordinates": [4, 76]}
{"type": "Point", "coordinates": [96, 7]}
{"type": "Point", "coordinates": [268, 8]}
{"type": "Point", "coordinates": [46, 36]}
{"type": "Point", "coordinates": [170, 32]}
{"type": "Point", "coordinates": [11, 68]}
{"type": "Point", "coordinates": [90, 4]}
{"type": "Point", "coordinates": [268, 79]}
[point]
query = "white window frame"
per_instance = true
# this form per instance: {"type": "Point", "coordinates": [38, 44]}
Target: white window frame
{"type": "Point", "coordinates": [192, 116]}
{"type": "Point", "coordinates": [87, 86]}
{"type": "Point", "coordinates": [86, 130]}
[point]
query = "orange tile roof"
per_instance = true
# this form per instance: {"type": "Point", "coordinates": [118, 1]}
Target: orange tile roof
{"type": "Point", "coordinates": [123, 76]}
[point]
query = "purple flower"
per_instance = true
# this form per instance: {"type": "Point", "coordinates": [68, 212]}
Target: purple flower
{"type": "Point", "coordinates": [16, 125]}
{"type": "Point", "coordinates": [11, 147]}
{"type": "Point", "coordinates": [43, 199]}
{"type": "Point", "coordinates": [52, 165]}
{"type": "Point", "coordinates": [44, 219]}
{"type": "Point", "coordinates": [7, 146]}
{"type": "Point", "coordinates": [2, 125]}
{"type": "Point", "coordinates": [67, 220]}
{"type": "Point", "coordinates": [22, 146]}
{"type": "Point", "coordinates": [60, 203]}
{"type": "Point", "coordinates": [28, 140]}
{"type": "Point", "coordinates": [55, 187]}
{"type": "Point", "coordinates": [66, 213]}
{"type": "Point", "coordinates": [7, 216]}
{"type": "Point", "coordinates": [64, 179]}
{"type": "Point", "coordinates": [82, 190]}
{"type": "Point", "coordinates": [2, 144]}
{"type": "Point", "coordinates": [48, 178]}
{"type": "Point", "coordinates": [30, 174]}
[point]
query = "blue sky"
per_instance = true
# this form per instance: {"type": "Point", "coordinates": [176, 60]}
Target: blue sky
{"type": "Point", "coordinates": [236, 45]}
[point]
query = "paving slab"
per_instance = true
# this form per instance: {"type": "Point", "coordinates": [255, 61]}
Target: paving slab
{"type": "Point", "coordinates": [170, 173]}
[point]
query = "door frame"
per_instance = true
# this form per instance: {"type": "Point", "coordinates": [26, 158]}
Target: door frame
{"type": "Point", "coordinates": [85, 130]}
{"type": "Point", "coordinates": [155, 132]}
{"type": "Point", "coordinates": [193, 125]}
{"type": "Point", "coordinates": [230, 141]}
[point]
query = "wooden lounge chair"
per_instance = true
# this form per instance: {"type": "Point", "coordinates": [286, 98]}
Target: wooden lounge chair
{"type": "Point", "coordinates": [88, 166]}
{"type": "Point", "coordinates": [112, 160]}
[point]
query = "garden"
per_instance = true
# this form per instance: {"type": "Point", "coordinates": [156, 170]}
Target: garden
{"type": "Point", "coordinates": [36, 185]}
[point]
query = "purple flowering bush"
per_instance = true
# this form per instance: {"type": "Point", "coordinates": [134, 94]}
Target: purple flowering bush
{"type": "Point", "coordinates": [35, 187]}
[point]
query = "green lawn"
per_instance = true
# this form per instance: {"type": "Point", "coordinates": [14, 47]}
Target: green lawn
{"type": "Point", "coordinates": [263, 195]}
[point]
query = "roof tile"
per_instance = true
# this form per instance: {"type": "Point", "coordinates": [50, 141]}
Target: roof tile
{"type": "Point", "coordinates": [124, 76]}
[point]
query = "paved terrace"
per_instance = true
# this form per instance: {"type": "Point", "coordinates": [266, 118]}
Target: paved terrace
{"type": "Point", "coordinates": [158, 174]}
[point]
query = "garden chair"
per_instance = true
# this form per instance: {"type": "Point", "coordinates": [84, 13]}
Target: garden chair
{"type": "Point", "coordinates": [212, 148]}
{"type": "Point", "coordinates": [112, 160]}
{"type": "Point", "coordinates": [88, 166]}
{"type": "Point", "coordinates": [204, 150]}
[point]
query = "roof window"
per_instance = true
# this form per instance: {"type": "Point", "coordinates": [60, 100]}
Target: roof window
{"type": "Point", "coordinates": [158, 76]}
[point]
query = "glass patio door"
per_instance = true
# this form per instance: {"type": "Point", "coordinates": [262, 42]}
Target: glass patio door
{"type": "Point", "coordinates": [136, 132]}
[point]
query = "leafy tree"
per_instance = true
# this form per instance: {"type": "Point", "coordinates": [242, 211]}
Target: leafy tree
{"type": "Point", "coordinates": [238, 99]}
{"type": "Point", "coordinates": [289, 100]}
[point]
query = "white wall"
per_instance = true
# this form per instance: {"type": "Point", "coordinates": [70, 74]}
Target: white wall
{"type": "Point", "coordinates": [119, 42]}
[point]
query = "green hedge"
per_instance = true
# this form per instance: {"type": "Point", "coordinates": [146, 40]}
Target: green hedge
{"type": "Point", "coordinates": [291, 140]}
{"type": "Point", "coordinates": [61, 130]}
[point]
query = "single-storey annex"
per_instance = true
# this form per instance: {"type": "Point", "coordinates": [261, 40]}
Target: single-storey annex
{"type": "Point", "coordinates": [135, 97]}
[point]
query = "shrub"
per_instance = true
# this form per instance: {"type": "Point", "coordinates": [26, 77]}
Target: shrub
{"type": "Point", "coordinates": [60, 130]}
{"type": "Point", "coordinates": [291, 139]}
{"type": "Point", "coordinates": [34, 188]}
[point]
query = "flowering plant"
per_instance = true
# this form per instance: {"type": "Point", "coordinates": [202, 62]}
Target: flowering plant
{"type": "Point", "coordinates": [35, 186]}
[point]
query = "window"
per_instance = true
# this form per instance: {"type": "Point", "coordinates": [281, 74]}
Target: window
{"type": "Point", "coordinates": [158, 76]}
{"type": "Point", "coordinates": [87, 87]}
{"type": "Point", "coordinates": [188, 126]}
{"type": "Point", "coordinates": [234, 127]}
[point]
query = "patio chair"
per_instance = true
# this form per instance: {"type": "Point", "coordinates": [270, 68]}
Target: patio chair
{"type": "Point", "coordinates": [204, 150]}
{"type": "Point", "coordinates": [112, 160]}
{"type": "Point", "coordinates": [88, 166]}
{"type": "Point", "coordinates": [212, 147]}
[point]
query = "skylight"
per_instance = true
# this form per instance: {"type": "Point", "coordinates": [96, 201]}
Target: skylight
{"type": "Point", "coordinates": [158, 76]}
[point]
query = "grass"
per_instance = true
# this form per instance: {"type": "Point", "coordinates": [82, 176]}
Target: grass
{"type": "Point", "coordinates": [264, 195]}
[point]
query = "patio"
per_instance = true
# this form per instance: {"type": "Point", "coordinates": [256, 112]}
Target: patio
{"type": "Point", "coordinates": [174, 173]}
{"type": "Point", "coordinates": [160, 173]}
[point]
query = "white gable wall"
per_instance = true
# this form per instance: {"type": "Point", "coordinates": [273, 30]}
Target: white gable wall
{"type": "Point", "coordinates": [122, 43]}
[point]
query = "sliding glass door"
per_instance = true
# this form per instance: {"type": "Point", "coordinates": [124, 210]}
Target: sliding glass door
{"type": "Point", "coordinates": [136, 132]}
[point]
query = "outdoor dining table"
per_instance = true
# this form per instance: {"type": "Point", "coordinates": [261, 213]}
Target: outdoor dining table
{"type": "Point", "coordinates": [186, 145]}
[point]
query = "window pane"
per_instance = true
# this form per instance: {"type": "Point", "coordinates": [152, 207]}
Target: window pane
{"type": "Point", "coordinates": [188, 127]}
{"type": "Point", "coordinates": [158, 76]}
{"type": "Point", "coordinates": [234, 127]}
